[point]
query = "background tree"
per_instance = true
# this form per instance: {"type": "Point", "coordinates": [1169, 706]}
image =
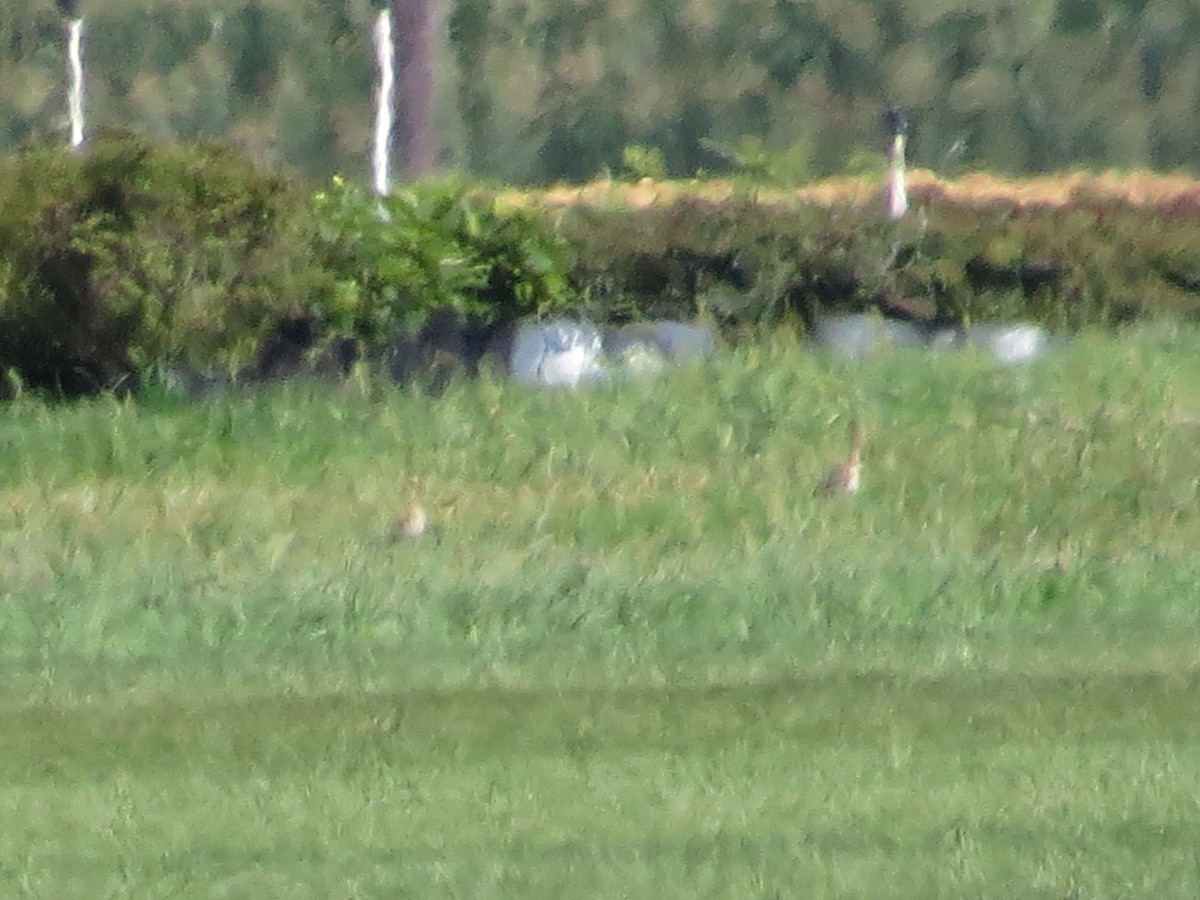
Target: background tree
{"type": "Point", "coordinates": [412, 23]}
{"type": "Point", "coordinates": [468, 34]}
{"type": "Point", "coordinates": [536, 90]}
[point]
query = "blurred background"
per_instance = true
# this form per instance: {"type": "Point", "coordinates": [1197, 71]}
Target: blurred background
{"type": "Point", "coordinates": [537, 91]}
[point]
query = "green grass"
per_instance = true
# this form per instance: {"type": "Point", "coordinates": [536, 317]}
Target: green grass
{"type": "Point", "coordinates": [637, 658]}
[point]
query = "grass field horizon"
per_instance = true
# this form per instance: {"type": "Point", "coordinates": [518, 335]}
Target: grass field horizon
{"type": "Point", "coordinates": [635, 656]}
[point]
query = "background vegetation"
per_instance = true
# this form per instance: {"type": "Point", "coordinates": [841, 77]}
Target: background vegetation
{"type": "Point", "coordinates": [539, 90]}
{"type": "Point", "coordinates": [635, 656]}
{"type": "Point", "coordinates": [131, 258]}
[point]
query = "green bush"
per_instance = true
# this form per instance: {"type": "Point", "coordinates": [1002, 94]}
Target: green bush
{"type": "Point", "coordinates": [131, 255]}
{"type": "Point", "coordinates": [432, 246]}
{"type": "Point", "coordinates": [756, 258]}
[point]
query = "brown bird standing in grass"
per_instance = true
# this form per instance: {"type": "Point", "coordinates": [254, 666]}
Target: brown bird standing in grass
{"type": "Point", "coordinates": [847, 477]}
{"type": "Point", "coordinates": [415, 520]}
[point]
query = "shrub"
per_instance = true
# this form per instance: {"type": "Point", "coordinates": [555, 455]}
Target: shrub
{"type": "Point", "coordinates": [130, 255]}
{"type": "Point", "coordinates": [432, 246]}
{"type": "Point", "coordinates": [1090, 256]}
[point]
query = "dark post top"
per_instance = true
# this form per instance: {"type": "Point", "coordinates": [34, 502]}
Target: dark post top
{"type": "Point", "coordinates": [896, 123]}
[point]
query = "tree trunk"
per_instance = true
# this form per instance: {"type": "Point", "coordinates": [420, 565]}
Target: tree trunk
{"type": "Point", "coordinates": [469, 24]}
{"type": "Point", "coordinates": [411, 24]}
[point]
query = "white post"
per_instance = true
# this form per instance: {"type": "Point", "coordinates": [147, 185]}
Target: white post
{"type": "Point", "coordinates": [384, 102]}
{"type": "Point", "coordinates": [75, 91]}
{"type": "Point", "coordinates": [897, 183]}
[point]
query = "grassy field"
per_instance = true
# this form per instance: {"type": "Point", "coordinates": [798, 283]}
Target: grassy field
{"type": "Point", "coordinates": [636, 657]}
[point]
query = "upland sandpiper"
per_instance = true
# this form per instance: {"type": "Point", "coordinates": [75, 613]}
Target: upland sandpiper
{"type": "Point", "coordinates": [414, 522]}
{"type": "Point", "coordinates": [846, 478]}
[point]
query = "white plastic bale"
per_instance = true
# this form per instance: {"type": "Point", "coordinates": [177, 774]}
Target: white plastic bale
{"type": "Point", "coordinates": [1020, 342]}
{"type": "Point", "coordinates": [682, 341]}
{"type": "Point", "coordinates": [640, 360]}
{"type": "Point", "coordinates": [558, 353]}
{"type": "Point", "coordinates": [857, 335]}
{"type": "Point", "coordinates": [647, 347]}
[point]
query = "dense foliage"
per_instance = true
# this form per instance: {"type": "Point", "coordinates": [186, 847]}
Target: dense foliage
{"type": "Point", "coordinates": [431, 246]}
{"type": "Point", "coordinates": [134, 256]}
{"type": "Point", "coordinates": [1067, 251]}
{"type": "Point", "coordinates": [537, 90]}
